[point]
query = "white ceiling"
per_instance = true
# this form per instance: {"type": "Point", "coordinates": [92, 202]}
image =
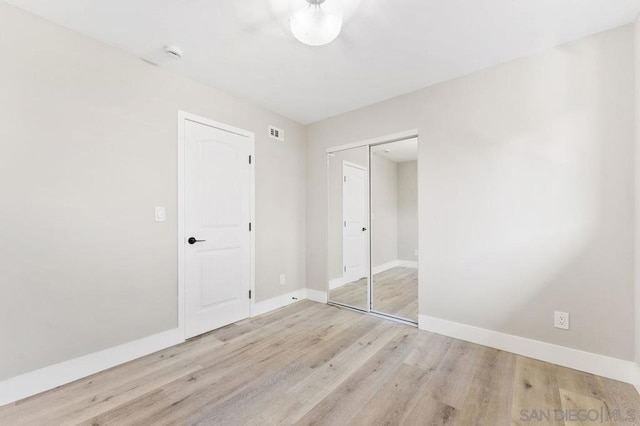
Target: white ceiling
{"type": "Point", "coordinates": [387, 47]}
{"type": "Point", "coordinates": [398, 152]}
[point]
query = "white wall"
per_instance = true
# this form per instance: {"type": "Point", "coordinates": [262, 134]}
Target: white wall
{"type": "Point", "coordinates": [88, 137]}
{"type": "Point", "coordinates": [526, 187]}
{"type": "Point", "coordinates": [408, 210]}
{"type": "Point", "coordinates": [384, 208]}
{"type": "Point", "coordinates": [637, 193]}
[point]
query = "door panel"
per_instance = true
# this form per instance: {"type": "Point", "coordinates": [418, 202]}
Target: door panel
{"type": "Point", "coordinates": [220, 175]}
{"type": "Point", "coordinates": [355, 221]}
{"type": "Point", "coordinates": [217, 212]}
{"type": "Point", "coordinates": [220, 267]}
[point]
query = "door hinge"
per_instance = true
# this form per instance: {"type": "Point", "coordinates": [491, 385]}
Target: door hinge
{"type": "Point", "coordinates": [249, 159]}
{"type": "Point", "coordinates": [345, 178]}
{"type": "Point", "coordinates": [249, 294]}
{"type": "Point", "coordinates": [249, 226]}
{"type": "Point", "coordinates": [345, 269]}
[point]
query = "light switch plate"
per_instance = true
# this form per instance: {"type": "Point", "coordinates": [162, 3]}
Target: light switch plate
{"type": "Point", "coordinates": [161, 214]}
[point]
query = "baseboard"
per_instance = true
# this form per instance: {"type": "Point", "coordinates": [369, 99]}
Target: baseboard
{"type": "Point", "coordinates": [613, 368]}
{"type": "Point", "coordinates": [636, 378]}
{"type": "Point", "coordinates": [24, 385]}
{"type": "Point", "coordinates": [287, 299]}
{"type": "Point", "coordinates": [337, 282]}
{"type": "Point", "coordinates": [384, 267]}
{"type": "Point", "coordinates": [316, 295]}
{"type": "Point", "coordinates": [394, 264]}
{"type": "Point", "coordinates": [277, 302]}
{"type": "Point", "coordinates": [408, 264]}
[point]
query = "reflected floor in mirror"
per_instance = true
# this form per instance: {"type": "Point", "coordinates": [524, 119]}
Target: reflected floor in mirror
{"type": "Point", "coordinates": [395, 292]}
{"type": "Point", "coordinates": [352, 294]}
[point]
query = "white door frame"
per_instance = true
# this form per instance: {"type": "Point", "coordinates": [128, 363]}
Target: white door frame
{"type": "Point", "coordinates": [182, 118]}
{"type": "Point", "coordinates": [395, 137]}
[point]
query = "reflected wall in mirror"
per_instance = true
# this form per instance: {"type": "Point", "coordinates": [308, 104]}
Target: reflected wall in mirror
{"type": "Point", "coordinates": [348, 236]}
{"type": "Point", "coordinates": [394, 228]}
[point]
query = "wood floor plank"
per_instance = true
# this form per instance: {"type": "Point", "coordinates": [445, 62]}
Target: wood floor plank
{"type": "Point", "coordinates": [621, 396]}
{"type": "Point", "coordinates": [335, 371]}
{"type": "Point", "coordinates": [107, 389]}
{"type": "Point", "coordinates": [581, 388]}
{"type": "Point", "coordinates": [104, 401]}
{"type": "Point", "coordinates": [340, 406]}
{"type": "Point", "coordinates": [391, 401]}
{"type": "Point", "coordinates": [311, 363]}
{"type": "Point", "coordinates": [453, 377]}
{"type": "Point", "coordinates": [232, 410]}
{"type": "Point", "coordinates": [577, 407]}
{"type": "Point", "coordinates": [488, 401]}
{"type": "Point", "coordinates": [188, 398]}
{"type": "Point", "coordinates": [429, 351]}
{"type": "Point", "coordinates": [358, 328]}
{"type": "Point", "coordinates": [424, 410]}
{"type": "Point", "coordinates": [536, 392]}
{"type": "Point", "coordinates": [395, 292]}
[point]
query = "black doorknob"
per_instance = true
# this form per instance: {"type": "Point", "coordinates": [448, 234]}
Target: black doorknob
{"type": "Point", "coordinates": [192, 240]}
{"type": "Point", "coordinates": [364, 229]}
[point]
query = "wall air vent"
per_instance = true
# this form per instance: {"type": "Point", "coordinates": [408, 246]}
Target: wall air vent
{"type": "Point", "coordinates": [275, 133]}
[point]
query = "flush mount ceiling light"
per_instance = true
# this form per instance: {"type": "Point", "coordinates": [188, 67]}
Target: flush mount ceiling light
{"type": "Point", "coordinates": [316, 22]}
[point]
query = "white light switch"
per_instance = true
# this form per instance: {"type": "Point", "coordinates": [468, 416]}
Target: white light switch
{"type": "Point", "coordinates": [160, 214]}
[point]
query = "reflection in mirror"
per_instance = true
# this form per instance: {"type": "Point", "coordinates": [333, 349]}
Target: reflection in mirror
{"type": "Point", "coordinates": [348, 241]}
{"type": "Point", "coordinates": [394, 228]}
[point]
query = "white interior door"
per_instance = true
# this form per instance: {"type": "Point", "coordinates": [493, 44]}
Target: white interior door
{"type": "Point", "coordinates": [354, 213]}
{"type": "Point", "coordinates": [217, 236]}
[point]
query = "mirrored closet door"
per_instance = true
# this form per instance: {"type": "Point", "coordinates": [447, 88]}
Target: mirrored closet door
{"type": "Point", "coordinates": [394, 229]}
{"type": "Point", "coordinates": [348, 236]}
{"type": "Point", "coordinates": [373, 228]}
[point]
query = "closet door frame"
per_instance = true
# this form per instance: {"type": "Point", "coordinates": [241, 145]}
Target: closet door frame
{"type": "Point", "coordinates": [369, 143]}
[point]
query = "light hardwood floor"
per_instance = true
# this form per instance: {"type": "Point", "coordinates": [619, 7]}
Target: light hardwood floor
{"type": "Point", "coordinates": [311, 363]}
{"type": "Point", "coordinates": [395, 292]}
{"type": "Point", "coordinates": [352, 294]}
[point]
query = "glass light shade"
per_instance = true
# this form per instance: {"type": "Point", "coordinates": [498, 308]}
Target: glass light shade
{"type": "Point", "coordinates": [316, 24]}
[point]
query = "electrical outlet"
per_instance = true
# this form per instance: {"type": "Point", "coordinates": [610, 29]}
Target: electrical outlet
{"type": "Point", "coordinates": [561, 320]}
{"type": "Point", "coordinates": [283, 279]}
